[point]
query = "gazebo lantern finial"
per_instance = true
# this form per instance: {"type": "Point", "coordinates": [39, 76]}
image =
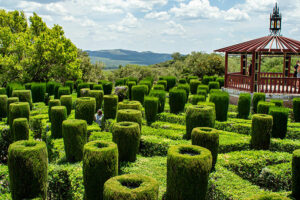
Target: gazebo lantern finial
{"type": "Point", "coordinates": [275, 21]}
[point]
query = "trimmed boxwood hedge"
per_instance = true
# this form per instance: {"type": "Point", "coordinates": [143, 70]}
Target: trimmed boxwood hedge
{"type": "Point", "coordinates": [296, 174]}
{"type": "Point", "coordinates": [119, 82]}
{"type": "Point", "coordinates": [98, 95]}
{"type": "Point", "coordinates": [130, 115]}
{"type": "Point", "coordinates": [53, 102]}
{"type": "Point", "coordinates": [203, 87]}
{"type": "Point", "coordinates": [135, 105]}
{"type": "Point", "coordinates": [66, 100]}
{"type": "Point", "coordinates": [10, 100]}
{"type": "Point", "coordinates": [138, 93]}
{"type": "Point", "coordinates": [162, 82]}
{"type": "Point", "coordinates": [171, 81]}
{"type": "Point", "coordinates": [23, 95]}
{"type": "Point", "coordinates": [158, 87]}
{"type": "Point", "coordinates": [58, 115]}
{"type": "Point", "coordinates": [70, 84]}
{"type": "Point", "coordinates": [131, 187]}
{"type": "Point", "coordinates": [3, 106]}
{"type": "Point", "coordinates": [56, 88]}
{"type": "Point", "coordinates": [27, 166]}
{"type": "Point", "coordinates": [182, 81]}
{"type": "Point", "coordinates": [277, 102]}
{"type": "Point", "coordinates": [194, 99]}
{"type": "Point", "coordinates": [188, 168]}
{"type": "Point", "coordinates": [185, 87]}
{"type": "Point", "coordinates": [177, 100]}
{"type": "Point", "coordinates": [213, 85]}
{"type": "Point", "coordinates": [13, 86]}
{"type": "Point", "coordinates": [50, 86]}
{"type": "Point", "coordinates": [127, 136]}
{"type": "Point", "coordinates": [221, 101]}
{"type": "Point", "coordinates": [38, 91]}
{"type": "Point", "coordinates": [161, 95]}
{"type": "Point", "coordinates": [194, 83]}
{"type": "Point", "coordinates": [77, 82]}
{"type": "Point", "coordinates": [81, 86]}
{"type": "Point", "coordinates": [107, 87]}
{"type": "Point", "coordinates": [257, 97]}
{"type": "Point", "coordinates": [221, 81]}
{"type": "Point", "coordinates": [191, 77]}
{"type": "Point", "coordinates": [244, 105]}
{"type": "Point", "coordinates": [18, 110]}
{"type": "Point", "coordinates": [74, 132]}
{"type": "Point", "coordinates": [263, 107]}
{"type": "Point", "coordinates": [85, 109]}
{"type": "Point", "coordinates": [3, 90]}
{"type": "Point", "coordinates": [100, 163]}
{"type": "Point", "coordinates": [206, 79]}
{"type": "Point", "coordinates": [97, 87]}
{"type": "Point", "coordinates": [130, 84]}
{"type": "Point", "coordinates": [20, 129]}
{"type": "Point", "coordinates": [202, 92]}
{"type": "Point", "coordinates": [261, 131]}
{"type": "Point", "coordinates": [63, 91]}
{"type": "Point", "coordinates": [208, 138]}
{"type": "Point", "coordinates": [268, 197]}
{"type": "Point", "coordinates": [147, 83]}
{"type": "Point", "coordinates": [199, 116]}
{"type": "Point", "coordinates": [110, 106]}
{"type": "Point", "coordinates": [296, 109]}
{"type": "Point", "coordinates": [280, 121]}
{"type": "Point", "coordinates": [84, 92]}
{"type": "Point", "coordinates": [151, 109]}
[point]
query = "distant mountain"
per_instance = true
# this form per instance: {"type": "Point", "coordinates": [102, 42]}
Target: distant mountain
{"type": "Point", "coordinates": [114, 58]}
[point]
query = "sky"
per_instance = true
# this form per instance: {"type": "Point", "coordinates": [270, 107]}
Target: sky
{"type": "Point", "coordinates": [164, 26]}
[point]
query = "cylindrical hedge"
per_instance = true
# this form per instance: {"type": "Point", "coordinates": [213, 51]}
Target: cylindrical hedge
{"type": "Point", "coordinates": [84, 92]}
{"type": "Point", "coordinates": [188, 168]}
{"type": "Point", "coordinates": [135, 105]}
{"type": "Point", "coordinates": [50, 88]}
{"type": "Point", "coordinates": [277, 102]}
{"type": "Point", "coordinates": [171, 81]}
{"type": "Point", "coordinates": [131, 187]}
{"type": "Point", "coordinates": [203, 87]}
{"type": "Point", "coordinates": [97, 87]}
{"type": "Point", "coordinates": [244, 105]}
{"type": "Point", "coordinates": [194, 83]}
{"type": "Point", "coordinates": [53, 102]}
{"type": "Point", "coordinates": [257, 97]}
{"type": "Point", "coordinates": [221, 100]}
{"type": "Point", "coordinates": [66, 100]}
{"type": "Point", "coordinates": [3, 106]}
{"type": "Point", "coordinates": [280, 121]}
{"type": "Point", "coordinates": [10, 100]}
{"type": "Point", "coordinates": [70, 84]}
{"type": "Point", "coordinates": [107, 87]}
{"type": "Point", "coordinates": [110, 106]}
{"type": "Point", "coordinates": [162, 82]}
{"type": "Point", "coordinates": [85, 109]}
{"type": "Point", "coordinates": [261, 131]}
{"type": "Point", "coordinates": [98, 95]}
{"type": "Point", "coordinates": [206, 79]}
{"type": "Point", "coordinates": [202, 92]}
{"type": "Point", "coordinates": [182, 81]}
{"type": "Point", "coordinates": [138, 93]}
{"type": "Point", "coordinates": [18, 110]}
{"type": "Point", "coordinates": [56, 88]}
{"type": "Point", "coordinates": [81, 86]}
{"type": "Point", "coordinates": [91, 85]}
{"type": "Point", "coordinates": [2, 90]}
{"type": "Point", "coordinates": [177, 100]}
{"type": "Point", "coordinates": [58, 115]}
{"type": "Point", "coordinates": [38, 92]}
{"type": "Point", "coordinates": [77, 82]}
{"type": "Point", "coordinates": [263, 107]}
{"type": "Point", "coordinates": [147, 83]}
{"type": "Point", "coordinates": [129, 115]}
{"type": "Point", "coordinates": [20, 129]}
{"type": "Point", "coordinates": [100, 163]}
{"type": "Point", "coordinates": [221, 81]}
{"type": "Point", "coordinates": [151, 109]}
{"type": "Point", "coordinates": [158, 87]}
{"type": "Point", "coordinates": [23, 95]}
{"type": "Point", "coordinates": [185, 87]}
{"type": "Point", "coordinates": [127, 136]}
{"type": "Point", "coordinates": [213, 85]}
{"type": "Point", "coordinates": [194, 99]}
{"type": "Point", "coordinates": [208, 138]}
{"type": "Point", "coordinates": [296, 174]}
{"type": "Point", "coordinates": [199, 116]}
{"type": "Point", "coordinates": [63, 91]}
{"type": "Point", "coordinates": [27, 167]}
{"type": "Point", "coordinates": [296, 109]}
{"type": "Point", "coordinates": [161, 95]}
{"type": "Point", "coordinates": [74, 132]}
{"type": "Point", "coordinates": [191, 78]}
{"type": "Point", "coordinates": [130, 84]}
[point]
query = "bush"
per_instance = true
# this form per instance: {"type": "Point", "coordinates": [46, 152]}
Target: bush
{"type": "Point", "coordinates": [18, 110]}
{"type": "Point", "coordinates": [207, 138]}
{"type": "Point", "coordinates": [188, 168]}
{"type": "Point", "coordinates": [199, 116]}
{"type": "Point", "coordinates": [177, 100]}
{"type": "Point", "coordinates": [121, 92]}
{"type": "Point", "coordinates": [97, 87]}
{"type": "Point", "coordinates": [20, 129]}
{"type": "Point", "coordinates": [58, 115]}
{"type": "Point", "coordinates": [63, 91]}
{"type": "Point", "coordinates": [77, 82]}
{"type": "Point", "coordinates": [74, 132]}
{"type": "Point", "coordinates": [296, 109]}
{"type": "Point", "coordinates": [38, 92]}
{"type": "Point", "coordinates": [213, 85]}
{"type": "Point", "coordinates": [203, 87]}
{"type": "Point", "coordinates": [268, 197]}
{"type": "Point", "coordinates": [91, 85]}
{"type": "Point", "coordinates": [221, 101]}
{"type": "Point", "coordinates": [151, 109]}
{"type": "Point", "coordinates": [3, 90]}
{"type": "Point", "coordinates": [98, 95]}
{"type": "Point", "coordinates": [261, 131]}
{"type": "Point", "coordinates": [280, 121]}
{"type": "Point", "coordinates": [131, 187]}
{"type": "Point", "coordinates": [194, 99]}
{"type": "Point", "coordinates": [110, 106]}
{"type": "Point", "coordinates": [182, 81]}
{"type": "Point", "coordinates": [129, 115]}
{"type": "Point", "coordinates": [85, 109]}
{"type": "Point", "coordinates": [10, 100]}
{"type": "Point", "coordinates": [185, 87]}
{"type": "Point", "coordinates": [100, 163]}
{"type": "Point", "coordinates": [206, 79]}
{"type": "Point", "coordinates": [202, 92]}
{"type": "Point", "coordinates": [27, 165]}
{"type": "Point", "coordinates": [119, 82]}
{"type": "Point", "coordinates": [147, 83]}
{"type": "Point", "coordinates": [135, 105]}
{"type": "Point", "coordinates": [3, 106]}
{"type": "Point", "coordinates": [53, 102]}
{"type": "Point", "coordinates": [66, 100]}
{"type": "Point", "coordinates": [171, 81]}
{"type": "Point", "coordinates": [130, 84]}
{"type": "Point", "coordinates": [263, 107]}
{"type": "Point", "coordinates": [296, 174]}
{"type": "Point", "coordinates": [191, 77]}
{"type": "Point", "coordinates": [244, 105]}
{"type": "Point", "coordinates": [107, 87]}
{"type": "Point", "coordinates": [70, 84]}
{"type": "Point", "coordinates": [24, 96]}
{"type": "Point", "coordinates": [138, 93]}
{"type": "Point", "coordinates": [81, 86]}
{"type": "Point", "coordinates": [50, 88]}
{"type": "Point", "coordinates": [84, 92]}
{"type": "Point", "coordinates": [127, 136]}
{"type": "Point", "coordinates": [161, 95]}
{"type": "Point", "coordinates": [194, 85]}
{"type": "Point", "coordinates": [13, 86]}
{"type": "Point", "coordinates": [221, 81]}
{"type": "Point", "coordinates": [56, 88]}
{"type": "Point", "coordinates": [159, 87]}
{"type": "Point", "coordinates": [256, 98]}
{"type": "Point", "coordinates": [277, 102]}
{"type": "Point", "coordinates": [162, 82]}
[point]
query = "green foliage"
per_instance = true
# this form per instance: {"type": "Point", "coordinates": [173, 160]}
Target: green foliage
{"type": "Point", "coordinates": [207, 79]}
{"type": "Point", "coordinates": [171, 81]}
{"type": "Point", "coordinates": [110, 106]}
{"type": "Point", "coordinates": [244, 105]}
{"type": "Point", "coordinates": [100, 163]}
{"type": "Point", "coordinates": [119, 82]}
{"type": "Point", "coordinates": [221, 81]}
{"type": "Point", "coordinates": [191, 77]}
{"type": "Point", "coordinates": [38, 92]}
{"type": "Point", "coordinates": [13, 86]}
{"type": "Point", "coordinates": [138, 93]}
{"type": "Point", "coordinates": [9, 101]}
{"type": "Point", "coordinates": [20, 129]}
{"type": "Point", "coordinates": [56, 88]}
{"type": "Point", "coordinates": [18, 110]}
{"type": "Point", "coordinates": [203, 87]}
{"type": "Point", "coordinates": [277, 102]}
{"type": "Point", "coordinates": [296, 109]}
{"type": "Point", "coordinates": [58, 115]}
{"type": "Point", "coordinates": [147, 83]}
{"type": "Point", "coordinates": [151, 109]}
{"type": "Point", "coordinates": [221, 101]}
{"type": "Point", "coordinates": [177, 100]}
{"type": "Point", "coordinates": [194, 83]}
{"type": "Point", "coordinates": [213, 85]}
{"type": "Point", "coordinates": [107, 87]}
{"type": "Point", "coordinates": [296, 174]}
{"type": "Point", "coordinates": [158, 87]}
{"type": "Point", "coordinates": [194, 99]}
{"type": "Point", "coordinates": [161, 95]}
{"type": "Point", "coordinates": [135, 105]}
{"type": "Point", "coordinates": [263, 107]}
{"type": "Point", "coordinates": [24, 96]}
{"type": "Point", "coordinates": [81, 86]}
{"type": "Point", "coordinates": [280, 121]}
{"type": "Point", "coordinates": [185, 87]}
{"type": "Point", "coordinates": [66, 100]}
{"type": "Point", "coordinates": [202, 92]}
{"type": "Point", "coordinates": [63, 91]}
{"type": "Point", "coordinates": [2, 90]}
{"type": "Point", "coordinates": [162, 82]}
{"type": "Point", "coordinates": [129, 115]}
{"type": "Point", "coordinates": [53, 102]}
{"type": "Point", "coordinates": [85, 109]}
{"type": "Point", "coordinates": [182, 81]}
{"type": "Point", "coordinates": [27, 165]}
{"type": "Point", "coordinates": [257, 97]}
{"type": "Point", "coordinates": [3, 106]}
{"type": "Point", "coordinates": [98, 95]}
{"type": "Point", "coordinates": [50, 86]}
{"type": "Point", "coordinates": [84, 92]}
{"type": "Point", "coordinates": [261, 131]}
{"type": "Point", "coordinates": [130, 84]}
{"type": "Point", "coordinates": [97, 87]}
{"type": "Point", "coordinates": [70, 84]}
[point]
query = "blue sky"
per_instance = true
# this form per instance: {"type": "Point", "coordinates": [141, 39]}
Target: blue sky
{"type": "Point", "coordinates": [161, 25]}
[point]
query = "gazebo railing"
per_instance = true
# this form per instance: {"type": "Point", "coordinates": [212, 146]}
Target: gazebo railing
{"type": "Point", "coordinates": [278, 85]}
{"type": "Point", "coordinates": [273, 75]}
{"type": "Point", "coordinates": [238, 81]}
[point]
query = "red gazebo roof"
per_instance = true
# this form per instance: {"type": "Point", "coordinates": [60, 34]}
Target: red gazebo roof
{"type": "Point", "coordinates": [266, 45]}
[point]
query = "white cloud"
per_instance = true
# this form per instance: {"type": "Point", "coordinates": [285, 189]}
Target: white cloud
{"type": "Point", "coordinates": [174, 29]}
{"type": "Point", "coordinates": [158, 15]}
{"type": "Point", "coordinates": [235, 14]}
{"type": "Point", "coordinates": [129, 22]}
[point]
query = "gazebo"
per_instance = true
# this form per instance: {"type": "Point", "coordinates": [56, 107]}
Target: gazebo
{"type": "Point", "coordinates": [258, 81]}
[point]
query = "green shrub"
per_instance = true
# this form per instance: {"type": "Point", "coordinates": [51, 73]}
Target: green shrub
{"type": "Point", "coordinates": [194, 99]}
{"type": "Point", "coordinates": [66, 100]}
{"type": "Point", "coordinates": [129, 115]}
{"type": "Point", "coordinates": [127, 136]}
{"type": "Point", "coordinates": [10, 100]}
{"type": "Point", "coordinates": [207, 138]}
{"type": "Point", "coordinates": [77, 82]}
{"type": "Point", "coordinates": [263, 107]}
{"type": "Point", "coordinates": [38, 92]}
{"type": "Point", "coordinates": [161, 95]}
{"type": "Point", "coordinates": [171, 81]}
{"type": "Point", "coordinates": [24, 96]}
{"type": "Point", "coordinates": [151, 109]}
{"type": "Point", "coordinates": [85, 109]}
{"type": "Point", "coordinates": [177, 100]}
{"type": "Point", "coordinates": [221, 81]}
{"type": "Point", "coordinates": [18, 110]}
{"type": "Point", "coordinates": [13, 86]}
{"type": "Point", "coordinates": [3, 90]}
{"type": "Point", "coordinates": [213, 85]}
{"type": "Point", "coordinates": [98, 95]}
{"type": "Point", "coordinates": [182, 81]}
{"type": "Point", "coordinates": [107, 87]}
{"type": "Point", "coordinates": [63, 91]}
{"type": "Point", "coordinates": [131, 187]}
{"type": "Point", "coordinates": [194, 85]}
{"type": "Point", "coordinates": [110, 106]}
{"type": "Point", "coordinates": [70, 84]}
{"type": "Point", "coordinates": [261, 131]}
{"type": "Point", "coordinates": [138, 93]}
{"type": "Point", "coordinates": [185, 87]}
{"type": "Point", "coordinates": [277, 102]}
{"type": "Point", "coordinates": [20, 129]}
{"type": "Point", "coordinates": [81, 86]}
{"type": "Point", "coordinates": [199, 116]}
{"type": "Point", "coordinates": [3, 106]}
{"type": "Point", "coordinates": [280, 121]}
{"type": "Point", "coordinates": [215, 91]}
{"type": "Point", "coordinates": [91, 85]}
{"type": "Point", "coordinates": [97, 87]}
{"type": "Point", "coordinates": [130, 84]}
{"type": "Point", "coordinates": [147, 83]}
{"type": "Point", "coordinates": [134, 79]}
{"type": "Point", "coordinates": [202, 92]}
{"type": "Point", "coordinates": [188, 168]}
{"type": "Point", "coordinates": [27, 165]}
{"type": "Point", "coordinates": [58, 115]}
{"type": "Point", "coordinates": [203, 87]}
{"type": "Point", "coordinates": [206, 79]}
{"type": "Point", "coordinates": [244, 105]}
{"type": "Point", "coordinates": [296, 109]}
{"type": "Point", "coordinates": [211, 104]}
{"type": "Point", "coordinates": [135, 105]}
{"type": "Point", "coordinates": [191, 77]}
{"type": "Point", "coordinates": [256, 98]}
{"type": "Point", "coordinates": [74, 132]}
{"type": "Point", "coordinates": [100, 163]}
{"type": "Point", "coordinates": [296, 174]}
{"type": "Point", "coordinates": [268, 197]}
{"type": "Point", "coordinates": [221, 101]}
{"type": "Point", "coordinates": [27, 86]}
{"type": "Point", "coordinates": [53, 102]}
{"type": "Point", "coordinates": [50, 87]}
{"type": "Point", "coordinates": [56, 88]}
{"type": "Point", "coordinates": [162, 82]}
{"type": "Point", "coordinates": [158, 87]}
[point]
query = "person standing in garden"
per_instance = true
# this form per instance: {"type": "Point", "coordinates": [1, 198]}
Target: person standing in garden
{"type": "Point", "coordinates": [296, 67]}
{"type": "Point", "coordinates": [98, 117]}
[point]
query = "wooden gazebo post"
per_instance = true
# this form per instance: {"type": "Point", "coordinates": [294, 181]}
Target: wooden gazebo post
{"type": "Point", "coordinates": [226, 69]}
{"type": "Point", "coordinates": [252, 72]}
